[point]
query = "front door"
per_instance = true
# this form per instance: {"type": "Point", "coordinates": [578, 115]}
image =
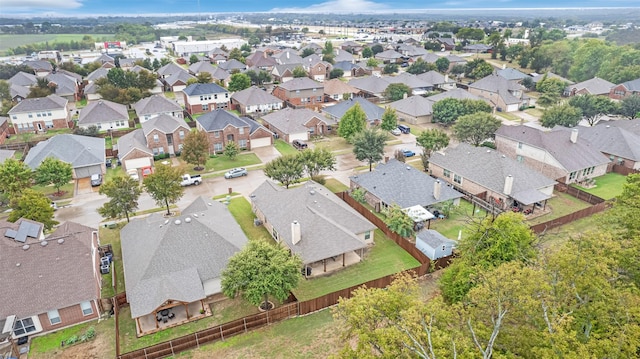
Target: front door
{"type": "Point", "coordinates": [230, 138]}
{"type": "Point", "coordinates": [39, 126]}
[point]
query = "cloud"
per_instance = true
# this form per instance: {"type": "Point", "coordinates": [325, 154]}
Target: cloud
{"type": "Point", "coordinates": [40, 4]}
{"type": "Point", "coordinates": [357, 6]}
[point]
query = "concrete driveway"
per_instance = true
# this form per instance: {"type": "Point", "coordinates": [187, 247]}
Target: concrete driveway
{"type": "Point", "coordinates": [266, 154]}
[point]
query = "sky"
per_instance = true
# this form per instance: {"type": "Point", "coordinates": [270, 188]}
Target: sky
{"type": "Point", "coordinates": [141, 7]}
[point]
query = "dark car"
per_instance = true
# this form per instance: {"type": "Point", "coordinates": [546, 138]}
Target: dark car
{"type": "Point", "coordinates": [96, 180]}
{"type": "Point", "coordinates": [299, 144]}
{"type": "Point", "coordinates": [404, 129]}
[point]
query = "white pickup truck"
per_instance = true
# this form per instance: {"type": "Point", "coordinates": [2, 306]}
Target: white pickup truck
{"type": "Point", "coordinates": [188, 180]}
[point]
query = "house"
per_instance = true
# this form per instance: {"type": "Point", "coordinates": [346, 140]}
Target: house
{"type": "Point", "coordinates": [417, 85]}
{"type": "Point", "coordinates": [491, 176]}
{"type": "Point", "coordinates": [455, 60]}
{"type": "Point", "coordinates": [106, 61]}
{"type": "Point", "coordinates": [40, 114]}
{"type": "Point", "coordinates": [352, 46]}
{"type": "Point", "coordinates": [156, 105]}
{"type": "Point", "coordinates": [105, 115]}
{"type": "Point", "coordinates": [298, 124]}
{"type": "Point", "coordinates": [349, 68]}
{"type": "Point", "coordinates": [313, 46]}
{"type": "Point", "coordinates": [313, 223]}
{"type": "Point", "coordinates": [178, 81]}
{"type": "Point", "coordinates": [389, 57]}
{"type": "Point", "coordinates": [412, 51]}
{"type": "Point", "coordinates": [96, 74]}
{"type": "Point", "coordinates": [620, 144]}
{"type": "Point", "coordinates": [169, 69]}
{"type": "Point", "coordinates": [317, 70]}
{"type": "Point", "coordinates": [560, 154]}
{"type": "Point", "coordinates": [201, 67]}
{"type": "Point", "coordinates": [66, 86]}
{"type": "Point", "coordinates": [233, 65]}
{"type": "Point", "coordinates": [165, 134]}
{"type": "Point", "coordinates": [41, 68]}
{"type": "Point", "coordinates": [301, 91]}
{"type": "Point", "coordinates": [433, 244]}
{"type": "Point", "coordinates": [594, 86]}
{"type": "Point", "coordinates": [177, 264]}
{"type": "Point", "coordinates": [446, 43]}
{"type": "Point", "coordinates": [255, 100]}
{"type": "Point", "coordinates": [284, 73]}
{"type": "Point", "coordinates": [511, 74]}
{"type": "Point", "coordinates": [625, 89]}
{"type": "Point", "coordinates": [261, 61]}
{"type": "Point", "coordinates": [439, 81]}
{"type": "Point", "coordinates": [129, 63]}
{"type": "Point", "coordinates": [221, 77]}
{"type": "Point", "coordinates": [373, 112]}
{"type": "Point", "coordinates": [6, 154]}
{"type": "Point", "coordinates": [85, 154]}
{"type": "Point", "coordinates": [200, 98]}
{"type": "Point", "coordinates": [18, 93]}
{"type": "Point", "coordinates": [414, 109]}
{"type": "Point", "coordinates": [340, 55]}
{"type": "Point", "coordinates": [287, 56]}
{"type": "Point", "coordinates": [223, 127]}
{"type": "Point", "coordinates": [133, 152]}
{"type": "Point", "coordinates": [371, 86]}
{"type": "Point", "coordinates": [32, 263]}
{"type": "Point", "coordinates": [478, 48]}
{"type": "Point", "coordinates": [395, 182]}
{"type": "Point", "coordinates": [505, 95]}
{"type": "Point", "coordinates": [458, 94]}
{"type": "Point", "coordinates": [337, 90]}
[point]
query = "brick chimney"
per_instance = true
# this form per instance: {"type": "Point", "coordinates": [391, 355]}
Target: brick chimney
{"type": "Point", "coordinates": [295, 232]}
{"type": "Point", "coordinates": [437, 188]}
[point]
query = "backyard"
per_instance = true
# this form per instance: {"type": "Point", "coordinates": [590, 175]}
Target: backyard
{"type": "Point", "coordinates": [102, 346]}
{"type": "Point", "coordinates": [112, 236]}
{"type": "Point", "coordinates": [458, 220]}
{"type": "Point", "coordinates": [608, 186]}
{"type": "Point", "coordinates": [561, 205]}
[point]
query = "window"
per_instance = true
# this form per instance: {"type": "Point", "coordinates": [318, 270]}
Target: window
{"type": "Point", "coordinates": [39, 114]}
{"type": "Point", "coordinates": [49, 114]}
{"type": "Point", "coordinates": [155, 151]}
{"type": "Point", "coordinates": [217, 147]}
{"type": "Point", "coordinates": [30, 115]}
{"type": "Point", "coordinates": [161, 150]}
{"type": "Point", "coordinates": [314, 90]}
{"type": "Point", "coordinates": [14, 117]}
{"type": "Point", "coordinates": [319, 99]}
{"type": "Point", "coordinates": [205, 107]}
{"type": "Point", "coordinates": [242, 143]}
{"type": "Point", "coordinates": [457, 179]}
{"type": "Point", "coordinates": [367, 235]}
{"type": "Point", "coordinates": [519, 158]}
{"type": "Point", "coordinates": [156, 139]}
{"type": "Point", "coordinates": [54, 317]}
{"type": "Point", "coordinates": [241, 130]}
{"type": "Point", "coordinates": [48, 124]}
{"type": "Point", "coordinates": [226, 95]}
{"type": "Point", "coordinates": [275, 234]}
{"type": "Point", "coordinates": [446, 173]}
{"type": "Point", "coordinates": [215, 97]}
{"type": "Point", "coordinates": [181, 134]}
{"type": "Point", "coordinates": [612, 158]}
{"type": "Point", "coordinates": [86, 308]}
{"type": "Point", "coordinates": [572, 175]}
{"type": "Point", "coordinates": [216, 134]}
{"type": "Point", "coordinates": [24, 326]}
{"type": "Point", "coordinates": [180, 147]}
{"type": "Point", "coordinates": [312, 130]}
{"type": "Point", "coordinates": [520, 145]}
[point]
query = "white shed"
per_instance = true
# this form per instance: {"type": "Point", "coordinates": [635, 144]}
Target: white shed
{"type": "Point", "coordinates": [433, 244]}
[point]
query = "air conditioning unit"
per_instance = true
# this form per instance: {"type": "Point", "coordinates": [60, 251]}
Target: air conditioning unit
{"type": "Point", "coordinates": [104, 269]}
{"type": "Point", "coordinates": [104, 261]}
{"type": "Point", "coordinates": [257, 222]}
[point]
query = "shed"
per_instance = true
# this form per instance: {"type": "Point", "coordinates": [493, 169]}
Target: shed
{"type": "Point", "coordinates": [433, 244]}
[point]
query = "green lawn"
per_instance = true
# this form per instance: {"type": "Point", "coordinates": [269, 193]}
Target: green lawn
{"type": "Point", "coordinates": [333, 143]}
{"type": "Point", "coordinates": [384, 258]}
{"type": "Point", "coordinates": [508, 116]}
{"type": "Point", "coordinates": [561, 205]}
{"type": "Point", "coordinates": [112, 236]}
{"type": "Point", "coordinates": [240, 209]}
{"type": "Point", "coordinates": [459, 219]}
{"type": "Point", "coordinates": [534, 112]}
{"type": "Point", "coordinates": [11, 41]}
{"type": "Point", "coordinates": [608, 186]}
{"type": "Point", "coordinates": [335, 186]}
{"type": "Point", "coordinates": [556, 236]}
{"type": "Point", "coordinates": [49, 191]}
{"type": "Point", "coordinates": [221, 162]}
{"type": "Point", "coordinates": [48, 346]}
{"type": "Point", "coordinates": [284, 148]}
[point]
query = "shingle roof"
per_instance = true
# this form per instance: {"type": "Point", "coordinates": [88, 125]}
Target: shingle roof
{"type": "Point", "coordinates": [220, 74]}
{"type": "Point", "coordinates": [203, 89]}
{"type": "Point", "coordinates": [232, 64]}
{"type": "Point", "coordinates": [328, 225]}
{"type": "Point", "coordinates": [19, 91]}
{"type": "Point", "coordinates": [164, 260]}
{"type": "Point", "coordinates": [433, 77]}
{"type": "Point", "coordinates": [177, 77]}
{"type": "Point", "coordinates": [169, 69]}
{"type": "Point", "coordinates": [165, 124]}
{"type": "Point", "coordinates": [202, 66]}
{"type": "Point", "coordinates": [511, 74]}
{"type": "Point", "coordinates": [430, 57]}
{"type": "Point", "coordinates": [551, 75]}
{"type": "Point", "coordinates": [571, 156]}
{"type": "Point", "coordinates": [371, 84]}
{"type": "Point", "coordinates": [490, 168]}
{"type": "Point", "coordinates": [98, 73]}
{"type": "Point", "coordinates": [396, 182]}
{"type": "Point", "coordinates": [39, 65]}
{"type": "Point", "coordinates": [254, 96]}
{"type": "Point", "coordinates": [301, 83]}
{"type": "Point", "coordinates": [389, 54]}
{"type": "Point", "coordinates": [217, 120]}
{"type": "Point", "coordinates": [23, 79]}
{"type": "Point", "coordinates": [629, 125]}
{"type": "Point", "coordinates": [155, 104]}
{"type": "Point", "coordinates": [414, 106]}
{"type": "Point", "coordinates": [6, 154]}
{"type": "Point", "coordinates": [595, 86]}
{"type": "Point", "coordinates": [102, 111]}
{"type": "Point", "coordinates": [280, 69]}
{"type": "Point", "coordinates": [373, 112]}
{"type": "Point", "coordinates": [134, 140]}
{"type": "Point", "coordinates": [413, 81]}
{"type": "Point", "coordinates": [29, 289]}
{"type": "Point", "coordinates": [292, 121]}
{"type": "Point", "coordinates": [79, 151]}
{"type": "Point", "coordinates": [433, 238]}
{"type": "Point", "coordinates": [288, 57]}
{"type": "Point", "coordinates": [613, 140]}
{"type": "Point", "coordinates": [65, 85]}
{"type": "Point", "coordinates": [633, 85]}
{"type": "Point", "coordinates": [51, 102]}
{"type": "Point", "coordinates": [495, 83]}
{"type": "Point", "coordinates": [337, 87]}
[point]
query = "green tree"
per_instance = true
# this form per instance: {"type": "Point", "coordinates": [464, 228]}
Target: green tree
{"type": "Point", "coordinates": [376, 49]}
{"type": "Point", "coordinates": [390, 69]}
{"type": "Point", "coordinates": [443, 64]}
{"type": "Point", "coordinates": [389, 119]}
{"type": "Point", "coordinates": [236, 54]}
{"type": "Point", "coordinates": [307, 51]}
{"type": "Point", "coordinates": [431, 140]}
{"type": "Point", "coordinates": [478, 69]}
{"type": "Point", "coordinates": [231, 150]}
{"type": "Point", "coordinates": [193, 59]}
{"type": "Point", "coordinates": [367, 52]}
{"type": "Point", "coordinates": [593, 107]}
{"type": "Point", "coordinates": [352, 122]}
{"type": "Point", "coordinates": [195, 149]}
{"type": "Point", "coordinates": [316, 160]}
{"type": "Point", "coordinates": [550, 88]}
{"type": "Point", "coordinates": [239, 82]}
{"type": "Point", "coordinates": [336, 73]}
{"type": "Point", "coordinates": [372, 62]}
{"type": "Point", "coordinates": [475, 128]}
{"type": "Point", "coordinates": [448, 110]}
{"type": "Point", "coordinates": [254, 40]}
{"type": "Point", "coordinates": [32, 205]}
{"type": "Point", "coordinates": [398, 221]}
{"type": "Point", "coordinates": [204, 78]}
{"type": "Point", "coordinates": [287, 169]}
{"type": "Point", "coordinates": [561, 115]}
{"type": "Point", "coordinates": [164, 186]}
{"type": "Point", "coordinates": [123, 193]}
{"type": "Point", "coordinates": [630, 106]}
{"type": "Point", "coordinates": [420, 67]}
{"type": "Point", "coordinates": [395, 92]}
{"type": "Point", "coordinates": [54, 172]}
{"type": "Point", "coordinates": [42, 88]}
{"type": "Point", "coordinates": [261, 270]}
{"type": "Point", "coordinates": [469, 33]}
{"type": "Point", "coordinates": [624, 214]}
{"type": "Point", "coordinates": [15, 176]}
{"type": "Point", "coordinates": [368, 145]}
{"type": "Point", "coordinates": [299, 71]}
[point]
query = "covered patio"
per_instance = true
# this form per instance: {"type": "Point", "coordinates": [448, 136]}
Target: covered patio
{"type": "Point", "coordinates": [332, 264]}
{"type": "Point", "coordinates": [171, 315]}
{"type": "Point", "coordinates": [419, 215]}
{"type": "Point", "coordinates": [526, 201]}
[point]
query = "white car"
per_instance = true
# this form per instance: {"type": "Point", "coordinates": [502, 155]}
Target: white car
{"type": "Point", "coordinates": [133, 173]}
{"type": "Point", "coordinates": [396, 132]}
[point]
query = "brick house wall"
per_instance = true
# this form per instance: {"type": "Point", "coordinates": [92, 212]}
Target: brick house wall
{"type": "Point", "coordinates": [206, 103]}
{"type": "Point", "coordinates": [162, 143]}
{"type": "Point", "coordinates": [217, 143]}
{"type": "Point", "coordinates": [260, 133]}
{"type": "Point", "coordinates": [621, 161]}
{"type": "Point", "coordinates": [319, 72]}
{"type": "Point", "coordinates": [23, 123]}
{"type": "Point", "coordinates": [68, 316]}
{"type": "Point", "coordinates": [619, 92]}
{"type": "Point", "coordinates": [306, 97]}
{"type": "Point", "coordinates": [535, 158]}
{"type": "Point", "coordinates": [135, 153]}
{"type": "Point", "coordinates": [468, 186]}
{"type": "Point", "coordinates": [320, 127]}
{"type": "Point", "coordinates": [4, 131]}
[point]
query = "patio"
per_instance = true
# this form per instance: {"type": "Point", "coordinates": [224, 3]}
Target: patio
{"type": "Point", "coordinates": [150, 324]}
{"type": "Point", "coordinates": [332, 264]}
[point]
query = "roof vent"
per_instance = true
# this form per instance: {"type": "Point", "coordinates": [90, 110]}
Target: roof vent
{"type": "Point", "coordinates": [17, 264]}
{"type": "Point", "coordinates": [177, 222]}
{"type": "Point", "coordinates": [208, 204]}
{"type": "Point", "coordinates": [166, 222]}
{"type": "Point", "coordinates": [202, 214]}
{"type": "Point", "coordinates": [61, 240]}
{"type": "Point", "coordinates": [44, 243]}
{"type": "Point", "coordinates": [187, 220]}
{"type": "Point", "coordinates": [488, 151]}
{"type": "Point", "coordinates": [408, 168]}
{"type": "Point", "coordinates": [195, 215]}
{"type": "Point", "coordinates": [312, 192]}
{"type": "Point", "coordinates": [25, 247]}
{"type": "Point", "coordinates": [503, 156]}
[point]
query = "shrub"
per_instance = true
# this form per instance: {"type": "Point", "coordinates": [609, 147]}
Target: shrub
{"type": "Point", "coordinates": [489, 144]}
{"type": "Point", "coordinates": [319, 179]}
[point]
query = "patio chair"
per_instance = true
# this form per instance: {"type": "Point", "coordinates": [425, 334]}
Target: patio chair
{"type": "Point", "coordinates": [172, 315]}
{"type": "Point", "coordinates": [164, 320]}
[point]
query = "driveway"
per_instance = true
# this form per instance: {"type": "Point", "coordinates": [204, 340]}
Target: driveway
{"type": "Point", "coordinates": [83, 186]}
{"type": "Point", "coordinates": [266, 154]}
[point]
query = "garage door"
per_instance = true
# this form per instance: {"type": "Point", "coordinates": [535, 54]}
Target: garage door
{"type": "Point", "coordinates": [302, 136]}
{"type": "Point", "coordinates": [83, 172]}
{"type": "Point", "coordinates": [260, 142]}
{"type": "Point", "coordinates": [137, 163]}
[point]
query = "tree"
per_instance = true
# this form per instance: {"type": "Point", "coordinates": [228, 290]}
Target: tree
{"type": "Point", "coordinates": [593, 107]}
{"type": "Point", "coordinates": [299, 71]}
{"type": "Point", "coordinates": [54, 172]}
{"type": "Point", "coordinates": [624, 213]}
{"type": "Point", "coordinates": [231, 150]}
{"type": "Point", "coordinates": [398, 221]}
{"type": "Point", "coordinates": [367, 52]}
{"type": "Point", "coordinates": [561, 115]}
{"type": "Point", "coordinates": [204, 78]}
{"type": "Point", "coordinates": [395, 92]}
{"type": "Point", "coordinates": [254, 40]}
{"type": "Point", "coordinates": [42, 88]}
{"type": "Point", "coordinates": [353, 121]}
{"type": "Point", "coordinates": [164, 185]}
{"type": "Point", "coordinates": [15, 176]}
{"type": "Point", "coordinates": [32, 205]}
{"type": "Point", "coordinates": [287, 169]}
{"type": "Point", "coordinates": [389, 119]}
{"type": "Point", "coordinates": [316, 160]}
{"type": "Point", "coordinates": [443, 64]}
{"type": "Point", "coordinates": [123, 193]}
{"type": "Point", "coordinates": [195, 149]}
{"type": "Point", "coordinates": [475, 128]}
{"type": "Point", "coordinates": [431, 140]}
{"type": "Point", "coordinates": [457, 70]}
{"type": "Point", "coordinates": [372, 62]}
{"type": "Point", "coordinates": [630, 106]}
{"type": "Point", "coordinates": [368, 145]}
{"type": "Point", "coordinates": [448, 110]}
{"type": "Point", "coordinates": [469, 33]}
{"type": "Point", "coordinates": [239, 82]}
{"type": "Point", "coordinates": [478, 69]}
{"type": "Point", "coordinates": [236, 54]}
{"type": "Point", "coordinates": [550, 89]}
{"type": "Point", "coordinates": [307, 51]}
{"type": "Point", "coordinates": [420, 67]}
{"type": "Point", "coordinates": [193, 59]}
{"type": "Point", "coordinates": [336, 73]}
{"type": "Point", "coordinates": [390, 69]}
{"type": "Point", "coordinates": [261, 270]}
{"type": "Point", "coordinates": [376, 49]}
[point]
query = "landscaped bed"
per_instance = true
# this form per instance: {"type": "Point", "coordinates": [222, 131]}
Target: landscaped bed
{"type": "Point", "coordinates": [101, 346]}
{"type": "Point", "coordinates": [607, 187]}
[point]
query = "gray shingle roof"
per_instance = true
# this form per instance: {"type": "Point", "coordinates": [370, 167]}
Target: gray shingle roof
{"type": "Point", "coordinates": [328, 225]}
{"type": "Point", "coordinates": [217, 120]}
{"type": "Point", "coordinates": [102, 111]}
{"type": "Point", "coordinates": [414, 106]}
{"type": "Point", "coordinates": [511, 74]}
{"type": "Point", "coordinates": [595, 86]}
{"type": "Point", "coordinates": [164, 260]}
{"type": "Point", "coordinates": [551, 75]}
{"type": "Point", "coordinates": [79, 151]}
{"type": "Point", "coordinates": [19, 91]}
{"type": "Point", "coordinates": [23, 79]}
{"type": "Point", "coordinates": [288, 57]}
{"type": "Point", "coordinates": [301, 83]}
{"type": "Point", "coordinates": [399, 183]}
{"type": "Point", "coordinates": [170, 69]}
{"type": "Point", "coordinates": [156, 104]}
{"type": "Point", "coordinates": [39, 65]}
{"type": "Point", "coordinates": [292, 121]}
{"type": "Point", "coordinates": [97, 74]}
{"type": "Point", "coordinates": [629, 125]}
{"type": "Point", "coordinates": [633, 85]}
{"type": "Point", "coordinates": [571, 156]}
{"type": "Point", "coordinates": [373, 112]}
{"type": "Point", "coordinates": [203, 89]}
{"type": "Point", "coordinates": [254, 96]}
{"type": "Point", "coordinates": [459, 94]}
{"type": "Point", "coordinates": [51, 102]}
{"type": "Point", "coordinates": [433, 77]}
{"type": "Point", "coordinates": [614, 140]}
{"type": "Point", "coordinates": [6, 154]}
{"type": "Point", "coordinates": [495, 83]}
{"type": "Point", "coordinates": [371, 84]}
{"type": "Point", "coordinates": [232, 64]}
{"type": "Point", "coordinates": [433, 238]}
{"type": "Point", "coordinates": [132, 141]}
{"type": "Point", "coordinates": [490, 168]}
{"type": "Point", "coordinates": [29, 289]}
{"type": "Point", "coordinates": [165, 124]}
{"type": "Point", "coordinates": [181, 76]}
{"type": "Point", "coordinates": [414, 82]}
{"type": "Point", "coordinates": [202, 66]}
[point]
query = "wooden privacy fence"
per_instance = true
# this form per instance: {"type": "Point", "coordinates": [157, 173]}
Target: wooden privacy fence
{"type": "Point", "coordinates": [586, 212]}
{"type": "Point", "coordinates": [578, 193]}
{"type": "Point", "coordinates": [625, 171]}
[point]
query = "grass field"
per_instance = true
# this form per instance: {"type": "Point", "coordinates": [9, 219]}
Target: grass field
{"type": "Point", "coordinates": [11, 41]}
{"type": "Point", "coordinates": [608, 186]}
{"type": "Point", "coordinates": [284, 148]}
{"type": "Point", "coordinates": [222, 162]}
{"type": "Point", "coordinates": [112, 236]}
{"type": "Point", "coordinates": [335, 186]}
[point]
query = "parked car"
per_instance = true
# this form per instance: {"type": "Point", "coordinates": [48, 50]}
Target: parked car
{"type": "Point", "coordinates": [236, 172]}
{"type": "Point", "coordinates": [188, 180]}
{"type": "Point", "coordinates": [396, 132]}
{"type": "Point", "coordinates": [299, 144]}
{"type": "Point", "coordinates": [96, 180]}
{"type": "Point", "coordinates": [408, 153]}
{"type": "Point", "coordinates": [133, 173]}
{"type": "Point", "coordinates": [404, 129]}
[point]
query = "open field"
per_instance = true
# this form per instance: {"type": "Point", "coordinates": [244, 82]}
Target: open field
{"type": "Point", "coordinates": [11, 41]}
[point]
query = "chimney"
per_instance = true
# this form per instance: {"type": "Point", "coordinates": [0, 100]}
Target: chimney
{"type": "Point", "coordinates": [574, 135]}
{"type": "Point", "coordinates": [295, 232]}
{"type": "Point", "coordinates": [446, 78]}
{"type": "Point", "coordinates": [504, 66]}
{"type": "Point", "coordinates": [404, 95]}
{"type": "Point", "coordinates": [288, 54]}
{"type": "Point", "coordinates": [508, 185]}
{"type": "Point", "coordinates": [437, 187]}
